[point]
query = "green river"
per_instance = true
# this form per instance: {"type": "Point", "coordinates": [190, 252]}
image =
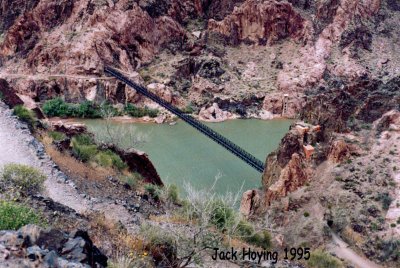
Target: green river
{"type": "Point", "coordinates": [183, 155]}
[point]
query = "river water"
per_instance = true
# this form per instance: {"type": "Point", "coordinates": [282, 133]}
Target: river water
{"type": "Point", "coordinates": [183, 155]}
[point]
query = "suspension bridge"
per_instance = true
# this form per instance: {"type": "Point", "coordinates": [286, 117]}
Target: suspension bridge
{"type": "Point", "coordinates": [212, 134]}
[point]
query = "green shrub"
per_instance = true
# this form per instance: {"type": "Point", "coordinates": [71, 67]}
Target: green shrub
{"type": "Point", "coordinates": [140, 112]}
{"type": "Point", "coordinates": [132, 180]}
{"type": "Point", "coordinates": [84, 139]}
{"type": "Point", "coordinates": [83, 147]}
{"type": "Point", "coordinates": [57, 136]}
{"type": "Point", "coordinates": [1, 96]}
{"type": "Point", "coordinates": [86, 109]}
{"type": "Point", "coordinates": [246, 232]}
{"type": "Point", "coordinates": [321, 259]}
{"type": "Point", "coordinates": [222, 215]}
{"type": "Point", "coordinates": [262, 239]}
{"type": "Point", "coordinates": [188, 109]}
{"type": "Point", "coordinates": [25, 178]}
{"type": "Point", "coordinates": [173, 193]}
{"type": "Point", "coordinates": [109, 159]}
{"type": "Point", "coordinates": [84, 152]}
{"type": "Point", "coordinates": [306, 214]}
{"type": "Point", "coordinates": [24, 114]}
{"type": "Point", "coordinates": [385, 199]}
{"type": "Point", "coordinates": [57, 107]}
{"type": "Point", "coordinates": [153, 190]}
{"type": "Point", "coordinates": [13, 216]}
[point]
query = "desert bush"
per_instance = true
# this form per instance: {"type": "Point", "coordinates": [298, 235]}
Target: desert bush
{"type": "Point", "coordinates": [109, 159]}
{"type": "Point", "coordinates": [173, 193]}
{"type": "Point", "coordinates": [260, 239]}
{"type": "Point", "coordinates": [57, 136]}
{"type": "Point", "coordinates": [13, 216]}
{"type": "Point", "coordinates": [385, 199]}
{"type": "Point", "coordinates": [153, 190]}
{"type": "Point", "coordinates": [83, 147]}
{"type": "Point", "coordinates": [140, 112]}
{"type": "Point", "coordinates": [86, 109]}
{"type": "Point", "coordinates": [57, 107]}
{"type": "Point", "coordinates": [222, 215]}
{"type": "Point", "coordinates": [320, 259]}
{"type": "Point", "coordinates": [245, 231]}
{"type": "Point", "coordinates": [132, 180]}
{"type": "Point", "coordinates": [25, 178]}
{"type": "Point", "coordinates": [24, 114]}
{"type": "Point", "coordinates": [390, 250]}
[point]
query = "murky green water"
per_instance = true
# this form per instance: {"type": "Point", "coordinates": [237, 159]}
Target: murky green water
{"type": "Point", "coordinates": [183, 155]}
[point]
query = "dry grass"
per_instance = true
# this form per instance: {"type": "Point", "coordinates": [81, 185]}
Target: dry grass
{"type": "Point", "coordinates": [73, 166]}
{"type": "Point", "coordinates": [353, 237]}
{"type": "Point", "coordinates": [114, 237]}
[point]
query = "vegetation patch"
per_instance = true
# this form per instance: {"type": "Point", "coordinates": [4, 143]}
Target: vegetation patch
{"type": "Point", "coordinates": [83, 147]}
{"type": "Point", "coordinates": [25, 115]}
{"type": "Point", "coordinates": [24, 178]}
{"type": "Point", "coordinates": [57, 136]}
{"type": "Point", "coordinates": [140, 112]}
{"type": "Point", "coordinates": [320, 258]}
{"type": "Point", "coordinates": [109, 159]}
{"type": "Point", "coordinates": [58, 107]}
{"type": "Point", "coordinates": [13, 216]}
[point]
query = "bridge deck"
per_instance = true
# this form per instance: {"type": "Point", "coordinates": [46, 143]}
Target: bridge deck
{"type": "Point", "coordinates": [212, 134]}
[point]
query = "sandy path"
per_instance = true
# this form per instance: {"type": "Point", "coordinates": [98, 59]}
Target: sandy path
{"type": "Point", "coordinates": [393, 214]}
{"type": "Point", "coordinates": [343, 251]}
{"type": "Point", "coordinates": [18, 146]}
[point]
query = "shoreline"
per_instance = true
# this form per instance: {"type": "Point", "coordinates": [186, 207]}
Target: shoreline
{"type": "Point", "coordinates": [148, 120]}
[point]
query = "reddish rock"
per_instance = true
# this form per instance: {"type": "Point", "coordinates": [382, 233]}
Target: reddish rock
{"type": "Point", "coordinates": [308, 151]}
{"type": "Point", "coordinates": [251, 201]}
{"type": "Point", "coordinates": [293, 176]}
{"type": "Point", "coordinates": [339, 151]}
{"type": "Point", "coordinates": [139, 161]}
{"type": "Point", "coordinates": [69, 129]}
{"type": "Point", "coordinates": [8, 95]}
{"type": "Point", "coordinates": [264, 22]}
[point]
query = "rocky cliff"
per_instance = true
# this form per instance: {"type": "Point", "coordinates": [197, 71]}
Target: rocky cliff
{"type": "Point", "coordinates": [195, 49]}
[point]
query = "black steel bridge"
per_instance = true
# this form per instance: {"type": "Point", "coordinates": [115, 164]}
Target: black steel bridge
{"type": "Point", "coordinates": [212, 134]}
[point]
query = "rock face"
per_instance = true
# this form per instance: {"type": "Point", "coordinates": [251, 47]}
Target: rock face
{"type": "Point", "coordinates": [32, 246]}
{"type": "Point", "coordinates": [262, 22]}
{"type": "Point", "coordinates": [340, 151]}
{"type": "Point", "coordinates": [251, 201]}
{"type": "Point", "coordinates": [290, 166]}
{"type": "Point", "coordinates": [292, 176]}
{"type": "Point", "coordinates": [140, 162]}
{"type": "Point", "coordinates": [337, 105]}
{"type": "Point", "coordinates": [8, 95]}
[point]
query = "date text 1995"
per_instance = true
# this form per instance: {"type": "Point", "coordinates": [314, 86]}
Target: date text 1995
{"type": "Point", "coordinates": [297, 253]}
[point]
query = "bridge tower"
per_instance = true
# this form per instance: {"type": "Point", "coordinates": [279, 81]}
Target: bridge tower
{"type": "Point", "coordinates": [285, 102]}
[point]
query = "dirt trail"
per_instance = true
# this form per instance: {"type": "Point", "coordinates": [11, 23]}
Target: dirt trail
{"type": "Point", "coordinates": [343, 251]}
{"type": "Point", "coordinates": [52, 76]}
{"type": "Point", "coordinates": [18, 146]}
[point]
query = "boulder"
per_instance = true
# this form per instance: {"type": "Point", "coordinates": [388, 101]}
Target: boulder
{"type": "Point", "coordinates": [339, 151]}
{"type": "Point", "coordinates": [7, 94]}
{"type": "Point", "coordinates": [139, 161]}
{"type": "Point", "coordinates": [69, 129]}
{"type": "Point", "coordinates": [214, 114]}
{"type": "Point", "coordinates": [251, 201]}
{"type": "Point", "coordinates": [32, 246]}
